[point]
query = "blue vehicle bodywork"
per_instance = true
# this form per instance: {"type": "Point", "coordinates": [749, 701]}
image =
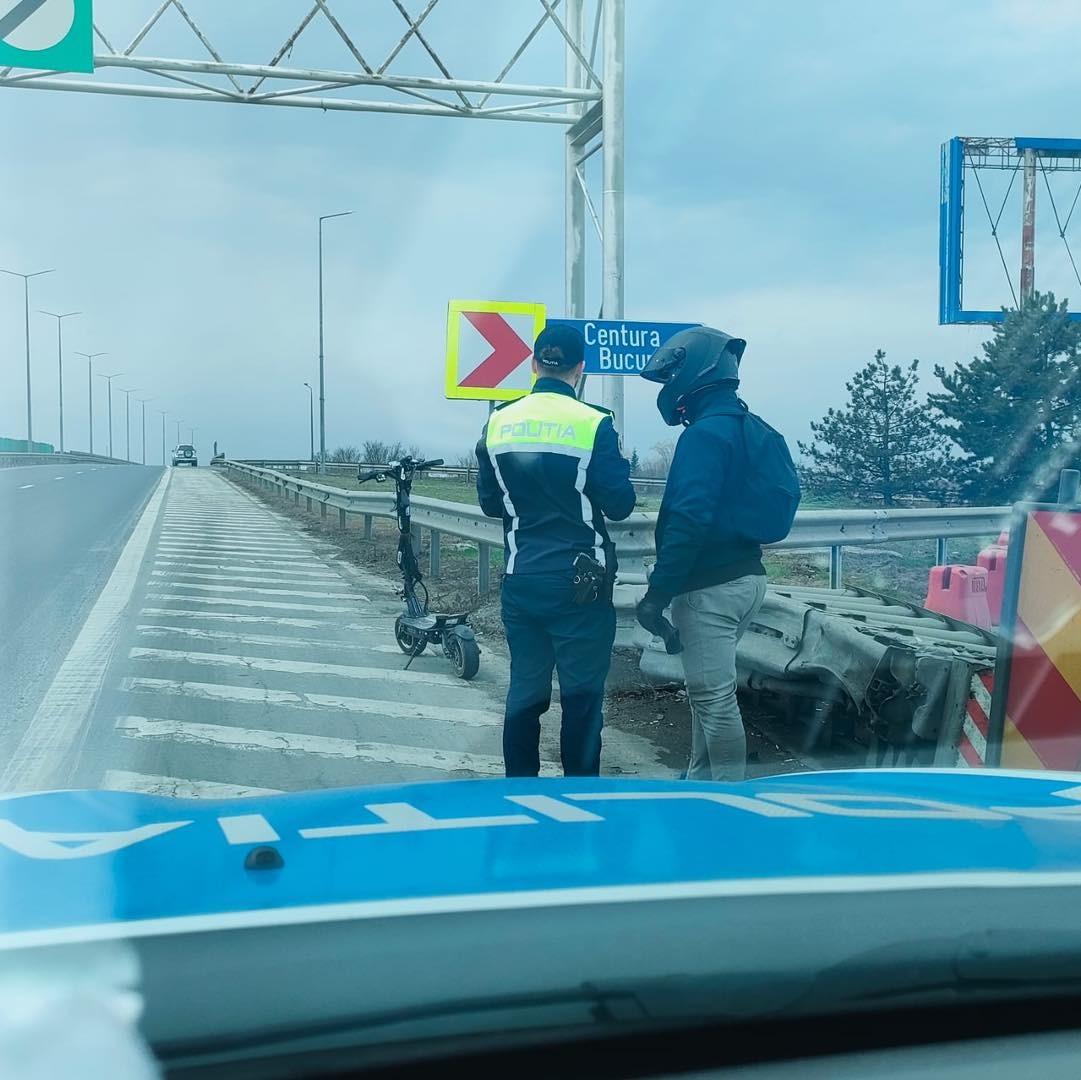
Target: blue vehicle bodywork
{"type": "Point", "coordinates": [85, 865]}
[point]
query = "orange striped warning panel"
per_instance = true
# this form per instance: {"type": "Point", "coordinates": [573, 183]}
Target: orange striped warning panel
{"type": "Point", "coordinates": [1041, 727]}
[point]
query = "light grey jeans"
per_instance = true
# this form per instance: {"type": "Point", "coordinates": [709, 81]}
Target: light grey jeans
{"type": "Point", "coordinates": [710, 623]}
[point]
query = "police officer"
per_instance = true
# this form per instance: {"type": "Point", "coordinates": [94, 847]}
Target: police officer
{"type": "Point", "coordinates": [551, 467]}
{"type": "Point", "coordinates": [707, 566]}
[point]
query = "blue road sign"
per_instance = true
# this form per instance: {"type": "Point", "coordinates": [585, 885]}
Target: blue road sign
{"type": "Point", "coordinates": [619, 347]}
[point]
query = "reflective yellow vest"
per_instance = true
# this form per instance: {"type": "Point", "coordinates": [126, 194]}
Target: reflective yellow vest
{"type": "Point", "coordinates": [549, 515]}
{"type": "Point", "coordinates": [556, 423]}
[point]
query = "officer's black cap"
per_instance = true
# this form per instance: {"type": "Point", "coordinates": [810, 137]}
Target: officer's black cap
{"type": "Point", "coordinates": [559, 347]}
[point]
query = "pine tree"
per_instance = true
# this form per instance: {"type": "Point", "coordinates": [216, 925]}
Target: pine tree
{"type": "Point", "coordinates": [1015, 411]}
{"type": "Point", "coordinates": [635, 463]}
{"type": "Point", "coordinates": [884, 443]}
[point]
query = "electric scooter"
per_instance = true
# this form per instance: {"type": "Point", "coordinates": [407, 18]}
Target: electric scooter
{"type": "Point", "coordinates": [416, 627]}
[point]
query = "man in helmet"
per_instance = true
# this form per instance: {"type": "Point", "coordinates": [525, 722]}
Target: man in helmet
{"type": "Point", "coordinates": [550, 466]}
{"type": "Point", "coordinates": [706, 567]}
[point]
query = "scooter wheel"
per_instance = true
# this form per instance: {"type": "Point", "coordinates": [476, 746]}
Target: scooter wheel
{"type": "Point", "coordinates": [465, 656]}
{"type": "Point", "coordinates": [407, 641]}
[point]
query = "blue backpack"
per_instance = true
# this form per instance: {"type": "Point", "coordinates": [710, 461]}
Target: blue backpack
{"type": "Point", "coordinates": [766, 496]}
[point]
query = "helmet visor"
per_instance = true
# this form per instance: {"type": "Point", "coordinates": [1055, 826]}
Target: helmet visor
{"type": "Point", "coordinates": [665, 364]}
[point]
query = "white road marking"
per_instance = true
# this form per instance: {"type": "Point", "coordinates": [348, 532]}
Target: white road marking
{"type": "Point", "coordinates": [205, 503]}
{"type": "Point", "coordinates": [217, 524]}
{"type": "Point", "coordinates": [58, 721]}
{"type": "Point", "coordinates": [297, 667]}
{"type": "Point", "coordinates": [58, 478]}
{"type": "Point", "coordinates": [229, 551]}
{"type": "Point", "coordinates": [178, 787]}
{"type": "Point", "coordinates": [238, 543]}
{"type": "Point", "coordinates": [219, 521]}
{"type": "Point", "coordinates": [258, 695]}
{"type": "Point", "coordinates": [235, 617]}
{"type": "Point", "coordinates": [239, 536]}
{"type": "Point", "coordinates": [275, 577]}
{"type": "Point", "coordinates": [306, 594]}
{"type": "Point", "coordinates": [231, 569]}
{"type": "Point", "coordinates": [248, 829]}
{"type": "Point", "coordinates": [320, 745]}
{"type": "Point", "coordinates": [152, 630]}
{"type": "Point", "coordinates": [200, 555]}
{"type": "Point", "coordinates": [23, 487]}
{"type": "Point", "coordinates": [79, 472]}
{"type": "Point", "coordinates": [230, 529]}
{"type": "Point", "coordinates": [273, 604]}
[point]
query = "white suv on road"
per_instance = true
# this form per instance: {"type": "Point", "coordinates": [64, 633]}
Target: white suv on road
{"type": "Point", "coordinates": [184, 454]}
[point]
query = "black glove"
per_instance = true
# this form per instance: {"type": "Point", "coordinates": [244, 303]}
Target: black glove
{"type": "Point", "coordinates": [650, 615]}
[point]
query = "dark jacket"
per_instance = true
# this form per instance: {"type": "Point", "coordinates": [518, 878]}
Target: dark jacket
{"type": "Point", "coordinates": [549, 465]}
{"type": "Point", "coordinates": [696, 544]}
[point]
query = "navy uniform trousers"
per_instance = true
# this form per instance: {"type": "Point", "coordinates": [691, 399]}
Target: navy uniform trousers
{"type": "Point", "coordinates": [546, 629]}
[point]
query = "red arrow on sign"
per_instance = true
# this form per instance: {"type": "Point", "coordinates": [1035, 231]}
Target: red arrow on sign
{"type": "Point", "coordinates": [508, 349]}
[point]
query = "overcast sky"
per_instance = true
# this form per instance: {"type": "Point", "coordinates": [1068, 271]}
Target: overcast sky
{"type": "Point", "coordinates": [782, 183]}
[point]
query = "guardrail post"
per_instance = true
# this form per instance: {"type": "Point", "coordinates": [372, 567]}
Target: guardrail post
{"type": "Point", "coordinates": [341, 517]}
{"type": "Point", "coordinates": [323, 511]}
{"type": "Point", "coordinates": [942, 550]}
{"type": "Point", "coordinates": [484, 568]}
{"type": "Point", "coordinates": [836, 566]}
{"type": "Point", "coordinates": [308, 503]}
{"type": "Point", "coordinates": [296, 497]}
{"type": "Point", "coordinates": [433, 552]}
{"type": "Point", "coordinates": [367, 526]}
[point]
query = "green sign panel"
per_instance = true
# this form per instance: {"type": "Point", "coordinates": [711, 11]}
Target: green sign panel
{"type": "Point", "coordinates": [47, 35]}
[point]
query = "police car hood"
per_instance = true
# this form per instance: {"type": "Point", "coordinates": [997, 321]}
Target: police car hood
{"type": "Point", "coordinates": [384, 915]}
{"type": "Point", "coordinates": [93, 865]}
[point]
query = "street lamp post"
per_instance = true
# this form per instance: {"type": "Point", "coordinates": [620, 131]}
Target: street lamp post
{"type": "Point", "coordinates": [163, 413]}
{"type": "Point", "coordinates": [178, 432]}
{"type": "Point", "coordinates": [322, 381]}
{"type": "Point", "coordinates": [143, 401]}
{"type": "Point", "coordinates": [109, 380]}
{"type": "Point", "coordinates": [26, 313]}
{"type": "Point", "coordinates": [127, 419]}
{"type": "Point", "coordinates": [60, 317]}
{"type": "Point", "coordinates": [90, 358]}
{"type": "Point", "coordinates": [311, 421]}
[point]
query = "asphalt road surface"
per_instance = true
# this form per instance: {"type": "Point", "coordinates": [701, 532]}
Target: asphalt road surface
{"type": "Point", "coordinates": [61, 530]}
{"type": "Point", "coordinates": [229, 653]}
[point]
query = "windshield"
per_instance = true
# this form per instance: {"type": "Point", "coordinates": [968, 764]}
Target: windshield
{"type": "Point", "coordinates": [430, 524]}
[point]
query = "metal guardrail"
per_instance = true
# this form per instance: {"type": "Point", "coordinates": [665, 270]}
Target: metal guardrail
{"type": "Point", "coordinates": [444, 471]}
{"type": "Point", "coordinates": [833, 530]}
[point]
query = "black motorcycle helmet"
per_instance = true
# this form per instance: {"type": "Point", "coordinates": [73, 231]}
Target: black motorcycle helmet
{"type": "Point", "coordinates": [690, 362]}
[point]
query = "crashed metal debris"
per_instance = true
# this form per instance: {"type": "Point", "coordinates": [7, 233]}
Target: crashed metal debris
{"type": "Point", "coordinates": [895, 678]}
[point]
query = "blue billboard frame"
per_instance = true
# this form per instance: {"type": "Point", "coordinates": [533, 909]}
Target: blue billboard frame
{"type": "Point", "coordinates": [951, 228]}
